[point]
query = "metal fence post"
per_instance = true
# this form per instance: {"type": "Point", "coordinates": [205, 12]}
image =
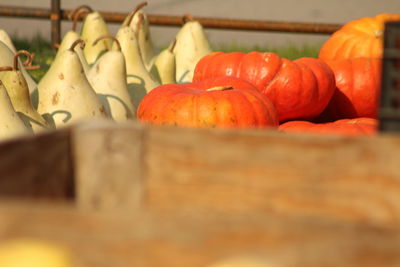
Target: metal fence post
{"type": "Point", "coordinates": [389, 114]}
{"type": "Point", "coordinates": [55, 17]}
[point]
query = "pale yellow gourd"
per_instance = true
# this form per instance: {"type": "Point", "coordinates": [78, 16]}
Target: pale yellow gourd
{"type": "Point", "coordinates": [108, 78]}
{"type": "Point", "coordinates": [34, 253]}
{"type": "Point", "coordinates": [7, 59]}
{"type": "Point", "coordinates": [18, 91]}
{"type": "Point", "coordinates": [191, 45]}
{"type": "Point", "coordinates": [11, 124]}
{"type": "Point", "coordinates": [164, 67]}
{"type": "Point", "coordinates": [65, 94]}
{"type": "Point", "coordinates": [139, 79]}
{"type": "Point", "coordinates": [139, 22]}
{"type": "Point", "coordinates": [5, 38]}
{"type": "Point", "coordinates": [93, 27]}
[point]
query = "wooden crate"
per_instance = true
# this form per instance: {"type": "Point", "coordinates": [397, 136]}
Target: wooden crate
{"type": "Point", "coordinates": [104, 166]}
{"type": "Point", "coordinates": [140, 195]}
{"type": "Point", "coordinates": [146, 239]}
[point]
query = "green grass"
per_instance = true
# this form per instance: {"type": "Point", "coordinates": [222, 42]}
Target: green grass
{"type": "Point", "coordinates": [44, 54]}
{"type": "Point", "coordinates": [290, 51]}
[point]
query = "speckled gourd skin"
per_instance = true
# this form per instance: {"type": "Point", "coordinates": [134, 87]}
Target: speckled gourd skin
{"type": "Point", "coordinates": [69, 38]}
{"type": "Point", "coordinates": [93, 27]}
{"type": "Point", "coordinates": [139, 79]}
{"type": "Point", "coordinates": [191, 45]}
{"type": "Point", "coordinates": [18, 92]}
{"type": "Point", "coordinates": [7, 59]}
{"type": "Point", "coordinates": [140, 26]}
{"type": "Point", "coordinates": [108, 79]}
{"type": "Point", "coordinates": [10, 125]}
{"type": "Point", "coordinates": [65, 93]}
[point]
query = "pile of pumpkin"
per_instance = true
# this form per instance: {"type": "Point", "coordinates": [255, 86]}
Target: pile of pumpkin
{"type": "Point", "coordinates": [336, 93]}
{"type": "Point", "coordinates": [97, 75]}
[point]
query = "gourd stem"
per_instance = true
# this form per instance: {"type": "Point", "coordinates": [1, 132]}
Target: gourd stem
{"type": "Point", "coordinates": [79, 8]}
{"type": "Point", "coordinates": [28, 60]}
{"type": "Point", "coordinates": [171, 49]}
{"type": "Point", "coordinates": [132, 14]}
{"type": "Point", "coordinates": [27, 63]}
{"type": "Point", "coordinates": [109, 36]}
{"type": "Point", "coordinates": [219, 88]}
{"type": "Point", "coordinates": [79, 41]}
{"type": "Point", "coordinates": [186, 18]}
{"type": "Point", "coordinates": [76, 17]}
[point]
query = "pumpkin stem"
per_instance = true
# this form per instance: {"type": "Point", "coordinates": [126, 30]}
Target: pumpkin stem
{"type": "Point", "coordinates": [378, 33]}
{"type": "Point", "coordinates": [219, 88]}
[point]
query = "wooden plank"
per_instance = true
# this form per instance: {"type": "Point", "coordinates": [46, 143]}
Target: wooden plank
{"type": "Point", "coordinates": [206, 171]}
{"type": "Point", "coordinates": [108, 165]}
{"type": "Point", "coordinates": [343, 178]}
{"type": "Point", "coordinates": [101, 240]}
{"type": "Point", "coordinates": [37, 166]}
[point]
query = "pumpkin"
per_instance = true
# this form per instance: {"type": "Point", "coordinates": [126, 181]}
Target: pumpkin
{"type": "Point", "coordinates": [358, 83]}
{"type": "Point", "coordinates": [349, 127]}
{"type": "Point", "coordinates": [225, 102]}
{"type": "Point", "coordinates": [361, 37]}
{"type": "Point", "coordinates": [299, 89]}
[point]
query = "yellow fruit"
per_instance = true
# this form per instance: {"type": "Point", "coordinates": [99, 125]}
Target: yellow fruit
{"type": "Point", "coordinates": [33, 253]}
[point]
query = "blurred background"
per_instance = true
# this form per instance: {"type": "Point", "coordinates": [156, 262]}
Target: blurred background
{"type": "Point", "coordinates": [338, 11]}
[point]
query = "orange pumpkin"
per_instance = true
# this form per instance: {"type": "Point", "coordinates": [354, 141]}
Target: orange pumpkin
{"type": "Point", "coordinates": [348, 127]}
{"type": "Point", "coordinates": [358, 83]}
{"type": "Point", "coordinates": [299, 89]}
{"type": "Point", "coordinates": [362, 37]}
{"type": "Point", "coordinates": [224, 102]}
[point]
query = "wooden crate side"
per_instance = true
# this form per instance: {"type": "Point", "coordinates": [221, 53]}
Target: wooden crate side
{"type": "Point", "coordinates": [269, 172]}
{"type": "Point", "coordinates": [101, 240]}
{"type": "Point", "coordinates": [37, 166]}
{"type": "Point", "coordinates": [108, 165]}
{"type": "Point", "coordinates": [206, 171]}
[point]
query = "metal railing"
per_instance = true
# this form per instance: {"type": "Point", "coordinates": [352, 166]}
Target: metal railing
{"type": "Point", "coordinates": [389, 112]}
{"type": "Point", "coordinates": [55, 14]}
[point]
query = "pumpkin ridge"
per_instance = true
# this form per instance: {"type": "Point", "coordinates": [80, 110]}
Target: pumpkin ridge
{"type": "Point", "coordinates": [257, 106]}
{"type": "Point", "coordinates": [314, 96]}
{"type": "Point", "coordinates": [195, 111]}
{"type": "Point", "coordinates": [276, 75]}
{"type": "Point", "coordinates": [235, 98]}
{"type": "Point", "coordinates": [267, 103]}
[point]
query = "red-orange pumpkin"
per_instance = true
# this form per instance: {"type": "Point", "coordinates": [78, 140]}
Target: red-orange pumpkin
{"type": "Point", "coordinates": [225, 102]}
{"type": "Point", "coordinates": [358, 83]}
{"type": "Point", "coordinates": [358, 38]}
{"type": "Point", "coordinates": [350, 127]}
{"type": "Point", "coordinates": [299, 89]}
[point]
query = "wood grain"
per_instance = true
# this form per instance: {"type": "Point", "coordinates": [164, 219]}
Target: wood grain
{"type": "Point", "coordinates": [165, 170]}
{"type": "Point", "coordinates": [108, 165]}
{"type": "Point", "coordinates": [143, 239]}
{"type": "Point", "coordinates": [268, 172]}
{"type": "Point", "coordinates": [37, 166]}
